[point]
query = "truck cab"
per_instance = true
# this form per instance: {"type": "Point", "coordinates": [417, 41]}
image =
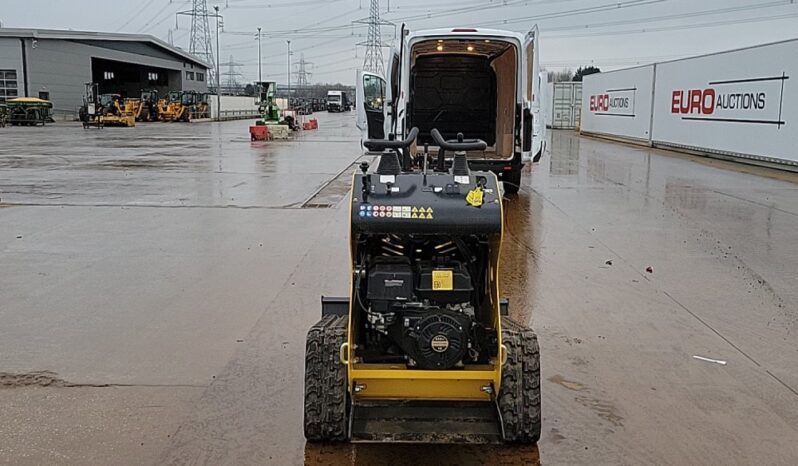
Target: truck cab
{"type": "Point", "coordinates": [337, 101]}
{"type": "Point", "coordinates": [483, 83]}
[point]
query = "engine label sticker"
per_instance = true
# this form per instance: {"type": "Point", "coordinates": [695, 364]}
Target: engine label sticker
{"type": "Point", "coordinates": [442, 280]}
{"type": "Point", "coordinates": [439, 343]}
{"type": "Point", "coordinates": [404, 211]}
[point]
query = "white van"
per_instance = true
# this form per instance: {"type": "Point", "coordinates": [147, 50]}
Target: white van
{"type": "Point", "coordinates": [484, 83]}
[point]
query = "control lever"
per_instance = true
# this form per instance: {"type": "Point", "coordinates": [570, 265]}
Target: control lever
{"type": "Point", "coordinates": [426, 158]}
{"type": "Point", "coordinates": [395, 153]}
{"type": "Point", "coordinates": [365, 181]}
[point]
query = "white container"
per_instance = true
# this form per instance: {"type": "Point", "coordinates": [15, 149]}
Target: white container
{"type": "Point", "coordinates": [741, 103]}
{"type": "Point", "coordinates": [618, 103]}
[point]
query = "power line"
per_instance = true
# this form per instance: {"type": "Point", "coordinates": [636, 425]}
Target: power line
{"type": "Point", "coordinates": [271, 6]}
{"type": "Point", "coordinates": [578, 11]}
{"type": "Point", "coordinates": [141, 10]}
{"type": "Point", "coordinates": [715, 11]}
{"type": "Point", "coordinates": [677, 27]}
{"type": "Point", "coordinates": [156, 15]}
{"type": "Point", "coordinates": [165, 17]}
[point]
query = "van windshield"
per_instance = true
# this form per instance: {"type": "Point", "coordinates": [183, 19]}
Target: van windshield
{"type": "Point", "coordinates": [334, 98]}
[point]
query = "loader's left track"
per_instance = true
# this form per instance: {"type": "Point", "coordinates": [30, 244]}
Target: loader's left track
{"type": "Point", "coordinates": [519, 398]}
{"type": "Point", "coordinates": [326, 394]}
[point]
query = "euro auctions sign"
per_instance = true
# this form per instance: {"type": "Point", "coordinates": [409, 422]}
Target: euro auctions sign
{"type": "Point", "coordinates": [614, 102]}
{"type": "Point", "coordinates": [747, 100]}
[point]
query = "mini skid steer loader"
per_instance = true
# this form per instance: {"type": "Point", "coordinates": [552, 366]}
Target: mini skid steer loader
{"type": "Point", "coordinates": [422, 350]}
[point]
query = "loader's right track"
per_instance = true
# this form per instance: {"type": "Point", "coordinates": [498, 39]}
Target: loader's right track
{"type": "Point", "coordinates": [325, 382]}
{"type": "Point", "coordinates": [519, 398]}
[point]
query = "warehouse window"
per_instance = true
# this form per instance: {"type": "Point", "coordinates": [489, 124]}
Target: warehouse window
{"type": "Point", "coordinates": [108, 75]}
{"type": "Point", "coordinates": [190, 75]}
{"type": "Point", "coordinates": [200, 76]}
{"type": "Point", "coordinates": [8, 85]}
{"type": "Point", "coordinates": [152, 77]}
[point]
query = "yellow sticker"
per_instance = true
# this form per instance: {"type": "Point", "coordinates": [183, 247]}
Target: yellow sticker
{"type": "Point", "coordinates": [474, 197]}
{"type": "Point", "coordinates": [442, 280]}
{"type": "Point", "coordinates": [414, 215]}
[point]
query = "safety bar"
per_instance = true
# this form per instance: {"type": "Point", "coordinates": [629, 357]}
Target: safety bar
{"type": "Point", "coordinates": [459, 145]}
{"type": "Point", "coordinates": [382, 144]}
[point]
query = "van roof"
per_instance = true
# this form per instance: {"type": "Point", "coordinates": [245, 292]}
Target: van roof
{"type": "Point", "coordinates": [465, 32]}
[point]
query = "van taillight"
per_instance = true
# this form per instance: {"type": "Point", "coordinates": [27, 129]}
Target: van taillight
{"type": "Point", "coordinates": [464, 30]}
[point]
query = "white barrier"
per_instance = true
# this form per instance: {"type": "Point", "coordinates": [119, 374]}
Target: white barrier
{"type": "Point", "coordinates": [234, 107]}
{"type": "Point", "coordinates": [618, 103]}
{"type": "Point", "coordinates": [741, 104]}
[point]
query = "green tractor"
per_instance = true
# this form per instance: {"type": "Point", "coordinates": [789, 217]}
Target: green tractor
{"type": "Point", "coordinates": [29, 111]}
{"type": "Point", "coordinates": [267, 104]}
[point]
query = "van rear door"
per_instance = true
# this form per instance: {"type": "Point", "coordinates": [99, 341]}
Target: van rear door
{"type": "Point", "coordinates": [370, 101]}
{"type": "Point", "coordinates": [530, 126]}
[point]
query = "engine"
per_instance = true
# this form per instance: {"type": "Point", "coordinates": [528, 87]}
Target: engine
{"type": "Point", "coordinates": [423, 312]}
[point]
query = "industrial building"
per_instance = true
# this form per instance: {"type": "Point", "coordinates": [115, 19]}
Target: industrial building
{"type": "Point", "coordinates": [55, 65]}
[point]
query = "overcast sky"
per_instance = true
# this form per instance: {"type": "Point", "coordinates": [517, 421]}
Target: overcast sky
{"type": "Point", "coordinates": [606, 33]}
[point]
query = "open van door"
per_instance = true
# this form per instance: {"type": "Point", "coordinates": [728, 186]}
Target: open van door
{"type": "Point", "coordinates": [532, 143]}
{"type": "Point", "coordinates": [370, 101]}
{"type": "Point", "coordinates": [392, 111]}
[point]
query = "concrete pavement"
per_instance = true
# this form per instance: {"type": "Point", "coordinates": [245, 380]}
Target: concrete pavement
{"type": "Point", "coordinates": [160, 280]}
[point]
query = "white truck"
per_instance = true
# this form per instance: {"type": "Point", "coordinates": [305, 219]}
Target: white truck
{"type": "Point", "coordinates": [483, 83]}
{"type": "Point", "coordinates": [338, 101]}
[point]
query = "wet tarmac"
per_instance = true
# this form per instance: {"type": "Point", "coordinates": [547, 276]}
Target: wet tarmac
{"type": "Point", "coordinates": [157, 283]}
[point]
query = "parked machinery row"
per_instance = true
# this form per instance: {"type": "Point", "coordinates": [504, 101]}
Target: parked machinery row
{"type": "Point", "coordinates": [113, 110]}
{"type": "Point", "coordinates": [184, 106]}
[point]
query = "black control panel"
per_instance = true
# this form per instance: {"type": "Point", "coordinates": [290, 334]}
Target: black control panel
{"type": "Point", "coordinates": [427, 203]}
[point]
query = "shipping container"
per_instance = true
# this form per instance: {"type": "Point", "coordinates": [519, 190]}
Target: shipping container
{"type": "Point", "coordinates": [566, 105]}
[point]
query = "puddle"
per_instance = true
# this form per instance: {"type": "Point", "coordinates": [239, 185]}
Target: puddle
{"type": "Point", "coordinates": [569, 384]}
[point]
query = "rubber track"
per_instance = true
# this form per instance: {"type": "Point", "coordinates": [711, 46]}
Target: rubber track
{"type": "Point", "coordinates": [325, 382]}
{"type": "Point", "coordinates": [519, 400]}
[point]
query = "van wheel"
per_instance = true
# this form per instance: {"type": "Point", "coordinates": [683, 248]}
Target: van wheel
{"type": "Point", "coordinates": [512, 180]}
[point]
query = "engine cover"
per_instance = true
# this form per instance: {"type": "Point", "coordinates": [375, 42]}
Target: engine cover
{"type": "Point", "coordinates": [435, 340]}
